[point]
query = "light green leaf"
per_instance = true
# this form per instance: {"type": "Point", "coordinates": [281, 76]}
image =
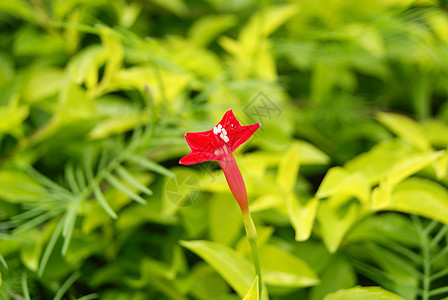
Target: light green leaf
{"type": "Point", "coordinates": [363, 293]}
{"type": "Point", "coordinates": [334, 222]}
{"type": "Point", "coordinates": [264, 23]}
{"type": "Point", "coordinates": [231, 265]}
{"type": "Point", "coordinates": [420, 196]}
{"type": "Point", "coordinates": [405, 128]}
{"type": "Point", "coordinates": [288, 169]}
{"type": "Point", "coordinates": [150, 165]}
{"type": "Point", "coordinates": [436, 131]}
{"type": "Point", "coordinates": [302, 216]}
{"type": "Point", "coordinates": [205, 29]}
{"type": "Point", "coordinates": [408, 166]}
{"type": "Point", "coordinates": [252, 294]}
{"type": "Point", "coordinates": [266, 202]}
{"type": "Point", "coordinates": [310, 154]}
{"type": "Point", "coordinates": [339, 181]}
{"type": "Point", "coordinates": [12, 116]}
{"type": "Point", "coordinates": [225, 220]}
{"type": "Point", "coordinates": [121, 187]}
{"type": "Point", "coordinates": [132, 180]}
{"type": "Point", "coordinates": [16, 186]}
{"type": "Point", "coordinates": [114, 125]}
{"type": "Point", "coordinates": [281, 268]}
{"type": "Point", "coordinates": [376, 163]}
{"type": "Point", "coordinates": [43, 83]}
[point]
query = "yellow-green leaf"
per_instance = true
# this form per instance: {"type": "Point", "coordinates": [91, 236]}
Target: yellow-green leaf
{"type": "Point", "coordinates": [205, 29]}
{"type": "Point", "coordinates": [288, 169]}
{"type": "Point", "coordinates": [224, 219]}
{"type": "Point", "coordinates": [406, 129]}
{"type": "Point", "coordinates": [363, 293]}
{"type": "Point", "coordinates": [376, 163]}
{"type": "Point", "coordinates": [43, 83]}
{"type": "Point", "coordinates": [408, 166]}
{"type": "Point", "coordinates": [302, 216]}
{"type": "Point", "coordinates": [16, 186]}
{"type": "Point", "coordinates": [252, 294]}
{"type": "Point", "coordinates": [420, 196]}
{"type": "Point", "coordinates": [334, 223]}
{"type": "Point", "coordinates": [281, 268]}
{"type": "Point", "coordinates": [339, 181]}
{"type": "Point", "coordinates": [231, 265]}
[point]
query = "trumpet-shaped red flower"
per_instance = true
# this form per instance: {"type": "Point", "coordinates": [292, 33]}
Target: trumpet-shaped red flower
{"type": "Point", "coordinates": [218, 144]}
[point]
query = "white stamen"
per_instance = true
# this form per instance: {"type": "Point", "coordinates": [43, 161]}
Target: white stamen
{"type": "Point", "coordinates": [219, 152]}
{"type": "Point", "coordinates": [224, 136]}
{"type": "Point", "coordinates": [217, 129]}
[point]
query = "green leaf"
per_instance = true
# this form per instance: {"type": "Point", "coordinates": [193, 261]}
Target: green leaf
{"type": "Point", "coordinates": [310, 154]}
{"type": "Point", "coordinates": [206, 28]}
{"type": "Point", "coordinates": [436, 131]}
{"type": "Point", "coordinates": [12, 117]}
{"type": "Point", "coordinates": [302, 216]}
{"type": "Point", "coordinates": [334, 222]}
{"type": "Point", "coordinates": [363, 293]}
{"type": "Point", "coordinates": [225, 220]}
{"type": "Point", "coordinates": [231, 265]}
{"type": "Point", "coordinates": [264, 23]}
{"type": "Point", "coordinates": [338, 181]}
{"type": "Point", "coordinates": [288, 169]}
{"type": "Point", "coordinates": [176, 6]}
{"type": "Point", "coordinates": [422, 197]}
{"type": "Point", "coordinates": [252, 294]}
{"type": "Point", "coordinates": [121, 187]}
{"type": "Point", "coordinates": [408, 166]}
{"type": "Point", "coordinates": [376, 163]}
{"type": "Point", "coordinates": [338, 274]}
{"type": "Point", "coordinates": [25, 289]}
{"type": "Point", "coordinates": [398, 172]}
{"type": "Point", "coordinates": [405, 128]}
{"type": "Point", "coordinates": [150, 165]}
{"type": "Point", "coordinates": [42, 84]}
{"type": "Point", "coordinates": [131, 180]}
{"type": "Point", "coordinates": [281, 268]}
{"type": "Point", "coordinates": [16, 186]}
{"type": "Point", "coordinates": [66, 285]}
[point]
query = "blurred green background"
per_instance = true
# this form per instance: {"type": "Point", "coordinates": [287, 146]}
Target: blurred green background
{"type": "Point", "coordinates": [347, 177]}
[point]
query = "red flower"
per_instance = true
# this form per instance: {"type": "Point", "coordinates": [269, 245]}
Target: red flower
{"type": "Point", "coordinates": [218, 144]}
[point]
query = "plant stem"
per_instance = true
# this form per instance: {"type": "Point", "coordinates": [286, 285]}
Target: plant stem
{"type": "Point", "coordinates": [251, 234]}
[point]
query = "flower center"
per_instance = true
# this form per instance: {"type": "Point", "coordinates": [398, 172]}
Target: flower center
{"type": "Point", "coordinates": [222, 132]}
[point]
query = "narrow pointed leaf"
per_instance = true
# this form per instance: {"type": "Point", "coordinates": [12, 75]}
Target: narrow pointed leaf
{"type": "Point", "coordinates": [119, 186]}
{"type": "Point", "coordinates": [102, 201]}
{"type": "Point", "coordinates": [66, 285]}
{"type": "Point", "coordinates": [129, 178]}
{"type": "Point", "coordinates": [49, 249]}
{"type": "Point", "coordinates": [71, 180]}
{"type": "Point", "coordinates": [150, 165]}
{"type": "Point", "coordinates": [25, 289]}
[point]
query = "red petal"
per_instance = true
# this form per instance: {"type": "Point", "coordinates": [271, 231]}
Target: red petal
{"type": "Point", "coordinates": [202, 141]}
{"type": "Point", "coordinates": [196, 157]}
{"type": "Point", "coordinates": [243, 134]}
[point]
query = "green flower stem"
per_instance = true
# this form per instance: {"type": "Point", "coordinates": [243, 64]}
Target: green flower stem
{"type": "Point", "coordinates": [251, 234]}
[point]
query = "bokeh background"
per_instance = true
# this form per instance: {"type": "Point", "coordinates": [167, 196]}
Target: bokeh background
{"type": "Point", "coordinates": [347, 177]}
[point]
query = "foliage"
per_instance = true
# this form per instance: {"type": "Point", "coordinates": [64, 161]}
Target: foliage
{"type": "Point", "coordinates": [347, 177]}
